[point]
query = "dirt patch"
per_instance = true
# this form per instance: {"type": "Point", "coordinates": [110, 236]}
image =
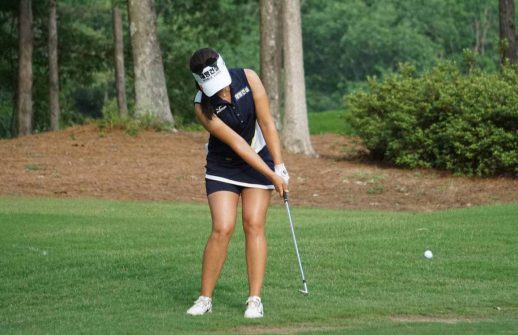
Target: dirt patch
{"type": "Point", "coordinates": [79, 162]}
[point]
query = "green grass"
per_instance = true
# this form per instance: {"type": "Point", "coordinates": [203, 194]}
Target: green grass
{"type": "Point", "coordinates": [328, 122]}
{"type": "Point", "coordinates": [105, 267]}
{"type": "Point", "coordinates": [319, 123]}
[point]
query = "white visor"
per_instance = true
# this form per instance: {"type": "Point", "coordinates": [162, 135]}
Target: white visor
{"type": "Point", "coordinates": [213, 78]}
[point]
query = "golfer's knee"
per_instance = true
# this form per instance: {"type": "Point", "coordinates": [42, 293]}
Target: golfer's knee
{"type": "Point", "coordinates": [222, 233]}
{"type": "Point", "coordinates": [253, 226]}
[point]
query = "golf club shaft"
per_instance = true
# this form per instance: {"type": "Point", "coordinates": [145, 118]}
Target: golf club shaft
{"type": "Point", "coordinates": [295, 242]}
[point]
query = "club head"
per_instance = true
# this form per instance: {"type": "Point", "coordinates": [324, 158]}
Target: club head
{"type": "Point", "coordinates": [304, 291]}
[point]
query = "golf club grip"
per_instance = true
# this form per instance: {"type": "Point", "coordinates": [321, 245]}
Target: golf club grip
{"type": "Point", "coordinates": [285, 195]}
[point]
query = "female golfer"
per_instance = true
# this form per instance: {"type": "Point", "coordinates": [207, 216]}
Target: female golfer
{"type": "Point", "coordinates": [243, 160]}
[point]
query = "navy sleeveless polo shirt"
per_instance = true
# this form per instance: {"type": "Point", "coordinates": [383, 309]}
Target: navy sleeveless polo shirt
{"type": "Point", "coordinates": [223, 164]}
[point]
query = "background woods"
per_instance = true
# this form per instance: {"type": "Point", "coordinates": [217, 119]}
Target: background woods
{"type": "Point", "coordinates": [63, 62]}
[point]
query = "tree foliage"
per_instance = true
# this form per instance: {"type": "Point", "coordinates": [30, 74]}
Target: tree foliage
{"type": "Point", "coordinates": [8, 61]}
{"type": "Point", "coordinates": [346, 41]}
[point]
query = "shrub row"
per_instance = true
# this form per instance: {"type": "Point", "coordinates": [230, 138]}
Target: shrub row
{"type": "Point", "coordinates": [465, 122]}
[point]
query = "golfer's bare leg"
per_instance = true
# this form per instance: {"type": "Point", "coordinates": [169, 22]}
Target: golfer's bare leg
{"type": "Point", "coordinates": [223, 207]}
{"type": "Point", "coordinates": [255, 206]}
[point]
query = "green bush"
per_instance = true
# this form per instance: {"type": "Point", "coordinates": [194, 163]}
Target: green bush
{"type": "Point", "coordinates": [465, 122]}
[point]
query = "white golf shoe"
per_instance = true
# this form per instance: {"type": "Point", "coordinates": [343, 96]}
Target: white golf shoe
{"type": "Point", "coordinates": [201, 306]}
{"type": "Point", "coordinates": [254, 308]}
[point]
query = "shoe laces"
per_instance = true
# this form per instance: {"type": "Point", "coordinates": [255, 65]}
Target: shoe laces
{"type": "Point", "coordinates": [203, 301]}
{"type": "Point", "coordinates": [254, 302]}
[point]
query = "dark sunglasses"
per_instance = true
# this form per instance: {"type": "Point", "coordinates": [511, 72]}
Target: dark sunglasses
{"type": "Point", "coordinates": [198, 69]}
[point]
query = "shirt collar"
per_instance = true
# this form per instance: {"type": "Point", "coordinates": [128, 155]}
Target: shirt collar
{"type": "Point", "coordinates": [217, 100]}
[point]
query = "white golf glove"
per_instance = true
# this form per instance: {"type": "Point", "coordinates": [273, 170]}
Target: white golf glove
{"type": "Point", "coordinates": [281, 171]}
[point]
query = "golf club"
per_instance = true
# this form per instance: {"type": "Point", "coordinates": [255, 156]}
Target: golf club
{"type": "Point", "coordinates": [305, 290]}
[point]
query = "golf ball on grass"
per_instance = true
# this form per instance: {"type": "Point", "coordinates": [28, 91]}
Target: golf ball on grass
{"type": "Point", "coordinates": [428, 254]}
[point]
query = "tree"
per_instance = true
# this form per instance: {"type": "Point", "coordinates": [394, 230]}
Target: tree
{"type": "Point", "coordinates": [271, 54]}
{"type": "Point", "coordinates": [150, 86]}
{"type": "Point", "coordinates": [118, 42]}
{"type": "Point", "coordinates": [295, 134]}
{"type": "Point", "coordinates": [481, 26]}
{"type": "Point", "coordinates": [25, 45]}
{"type": "Point", "coordinates": [53, 67]}
{"type": "Point", "coordinates": [507, 31]}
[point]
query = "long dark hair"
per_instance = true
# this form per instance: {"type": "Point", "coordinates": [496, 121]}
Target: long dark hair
{"type": "Point", "coordinates": [199, 60]}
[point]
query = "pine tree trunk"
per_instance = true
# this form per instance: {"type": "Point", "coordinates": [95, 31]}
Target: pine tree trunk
{"type": "Point", "coordinates": [507, 31]}
{"type": "Point", "coordinates": [295, 135]}
{"type": "Point", "coordinates": [120, 81]}
{"type": "Point", "coordinates": [271, 53]}
{"type": "Point", "coordinates": [151, 97]}
{"type": "Point", "coordinates": [24, 102]}
{"type": "Point", "coordinates": [53, 67]}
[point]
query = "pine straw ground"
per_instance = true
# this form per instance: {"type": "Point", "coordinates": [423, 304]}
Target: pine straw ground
{"type": "Point", "coordinates": [83, 162]}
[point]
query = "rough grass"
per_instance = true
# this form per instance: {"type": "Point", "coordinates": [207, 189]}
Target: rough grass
{"type": "Point", "coordinates": [92, 266]}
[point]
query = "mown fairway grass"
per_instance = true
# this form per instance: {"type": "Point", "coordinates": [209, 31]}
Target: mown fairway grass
{"type": "Point", "coordinates": [106, 267]}
{"type": "Point", "coordinates": [329, 122]}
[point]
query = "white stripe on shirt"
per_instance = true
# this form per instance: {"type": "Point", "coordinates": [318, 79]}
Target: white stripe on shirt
{"type": "Point", "coordinates": [239, 183]}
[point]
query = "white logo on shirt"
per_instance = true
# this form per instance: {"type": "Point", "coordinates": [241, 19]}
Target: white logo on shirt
{"type": "Point", "coordinates": [219, 109]}
{"type": "Point", "coordinates": [241, 93]}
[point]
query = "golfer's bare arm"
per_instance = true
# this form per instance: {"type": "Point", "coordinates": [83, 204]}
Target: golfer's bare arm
{"type": "Point", "coordinates": [224, 133]}
{"type": "Point", "coordinates": [264, 117]}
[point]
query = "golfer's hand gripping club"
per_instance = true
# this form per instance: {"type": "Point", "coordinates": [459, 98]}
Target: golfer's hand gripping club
{"type": "Point", "coordinates": [305, 289]}
{"type": "Point", "coordinates": [281, 171]}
